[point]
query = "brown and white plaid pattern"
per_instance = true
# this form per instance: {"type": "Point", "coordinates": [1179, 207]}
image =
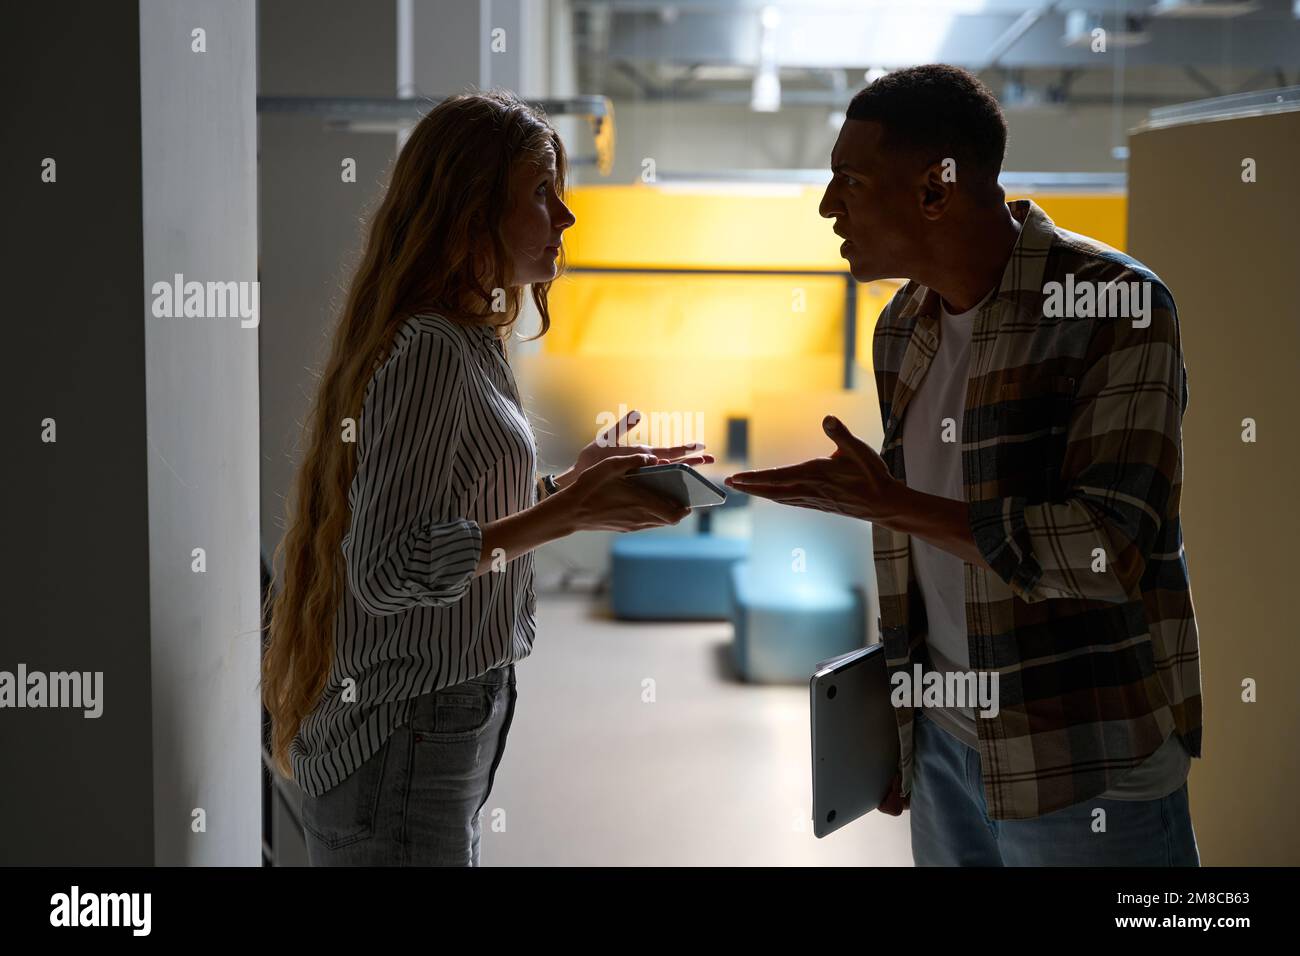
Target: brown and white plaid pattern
{"type": "Point", "coordinates": [1071, 454]}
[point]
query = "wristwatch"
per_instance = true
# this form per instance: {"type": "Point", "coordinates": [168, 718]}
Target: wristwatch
{"type": "Point", "coordinates": [548, 482]}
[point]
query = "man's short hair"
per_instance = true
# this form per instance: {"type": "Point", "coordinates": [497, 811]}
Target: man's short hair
{"type": "Point", "coordinates": [939, 112]}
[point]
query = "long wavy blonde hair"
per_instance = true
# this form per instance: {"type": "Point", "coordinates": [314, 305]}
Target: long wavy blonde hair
{"type": "Point", "coordinates": [435, 244]}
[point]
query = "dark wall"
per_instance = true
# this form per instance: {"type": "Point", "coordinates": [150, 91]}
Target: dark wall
{"type": "Point", "coordinates": [76, 568]}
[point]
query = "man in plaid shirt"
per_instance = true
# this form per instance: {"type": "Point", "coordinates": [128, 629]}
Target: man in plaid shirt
{"type": "Point", "coordinates": [1024, 503]}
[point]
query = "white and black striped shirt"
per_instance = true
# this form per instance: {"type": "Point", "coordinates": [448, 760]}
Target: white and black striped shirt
{"type": "Point", "coordinates": [444, 447]}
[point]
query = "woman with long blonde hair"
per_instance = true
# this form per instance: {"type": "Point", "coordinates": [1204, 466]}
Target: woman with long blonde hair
{"type": "Point", "coordinates": [407, 585]}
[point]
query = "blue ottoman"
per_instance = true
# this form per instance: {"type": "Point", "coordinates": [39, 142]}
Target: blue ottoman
{"type": "Point", "coordinates": [784, 628]}
{"type": "Point", "coordinates": [673, 577]}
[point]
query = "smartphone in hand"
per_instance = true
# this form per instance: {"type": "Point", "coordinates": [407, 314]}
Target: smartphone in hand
{"type": "Point", "coordinates": [680, 483]}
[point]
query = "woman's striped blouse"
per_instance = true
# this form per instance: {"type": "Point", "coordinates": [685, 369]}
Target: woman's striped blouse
{"type": "Point", "coordinates": [444, 447]}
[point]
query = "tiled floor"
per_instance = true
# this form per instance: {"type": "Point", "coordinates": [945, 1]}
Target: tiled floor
{"type": "Point", "coordinates": [712, 772]}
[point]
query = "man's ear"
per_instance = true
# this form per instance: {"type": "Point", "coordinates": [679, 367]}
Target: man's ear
{"type": "Point", "coordinates": [938, 187]}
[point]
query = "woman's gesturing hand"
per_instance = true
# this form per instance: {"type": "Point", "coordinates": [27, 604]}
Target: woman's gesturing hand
{"type": "Point", "coordinates": [606, 445]}
{"type": "Point", "coordinates": [601, 499]}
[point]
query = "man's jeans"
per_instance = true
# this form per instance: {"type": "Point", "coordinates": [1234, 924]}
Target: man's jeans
{"type": "Point", "coordinates": [951, 826]}
{"type": "Point", "coordinates": [416, 801]}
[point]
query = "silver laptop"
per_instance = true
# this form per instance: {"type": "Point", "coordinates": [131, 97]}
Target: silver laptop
{"type": "Point", "coordinates": [854, 737]}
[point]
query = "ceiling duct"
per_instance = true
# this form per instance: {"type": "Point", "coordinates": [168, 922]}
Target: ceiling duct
{"type": "Point", "coordinates": [1206, 9]}
{"type": "Point", "coordinates": [1081, 30]}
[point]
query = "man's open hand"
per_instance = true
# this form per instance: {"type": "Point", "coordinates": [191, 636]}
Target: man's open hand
{"type": "Point", "coordinates": [853, 481]}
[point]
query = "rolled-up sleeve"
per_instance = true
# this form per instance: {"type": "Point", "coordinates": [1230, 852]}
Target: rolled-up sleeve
{"type": "Point", "coordinates": [1122, 465]}
{"type": "Point", "coordinates": [405, 547]}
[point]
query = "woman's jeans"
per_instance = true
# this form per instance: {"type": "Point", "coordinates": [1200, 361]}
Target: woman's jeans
{"type": "Point", "coordinates": [416, 801]}
{"type": "Point", "coordinates": [951, 826]}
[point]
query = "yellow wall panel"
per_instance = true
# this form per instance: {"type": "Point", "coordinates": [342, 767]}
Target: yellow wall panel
{"type": "Point", "coordinates": [701, 343]}
{"type": "Point", "coordinates": [1103, 216]}
{"type": "Point", "coordinates": [665, 316]}
{"type": "Point", "coordinates": [756, 227]}
{"type": "Point", "coordinates": [752, 227]}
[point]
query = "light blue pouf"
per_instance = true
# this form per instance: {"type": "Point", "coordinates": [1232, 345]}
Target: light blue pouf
{"type": "Point", "coordinates": [784, 628]}
{"type": "Point", "coordinates": [673, 577]}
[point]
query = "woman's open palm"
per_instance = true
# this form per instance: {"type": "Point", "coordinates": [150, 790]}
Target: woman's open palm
{"type": "Point", "coordinates": [607, 444]}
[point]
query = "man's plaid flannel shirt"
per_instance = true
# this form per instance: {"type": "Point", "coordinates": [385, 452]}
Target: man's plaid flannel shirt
{"type": "Point", "coordinates": [1071, 452]}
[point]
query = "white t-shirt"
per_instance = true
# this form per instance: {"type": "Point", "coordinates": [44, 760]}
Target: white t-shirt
{"type": "Point", "coordinates": [933, 466]}
{"type": "Point", "coordinates": [932, 435]}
